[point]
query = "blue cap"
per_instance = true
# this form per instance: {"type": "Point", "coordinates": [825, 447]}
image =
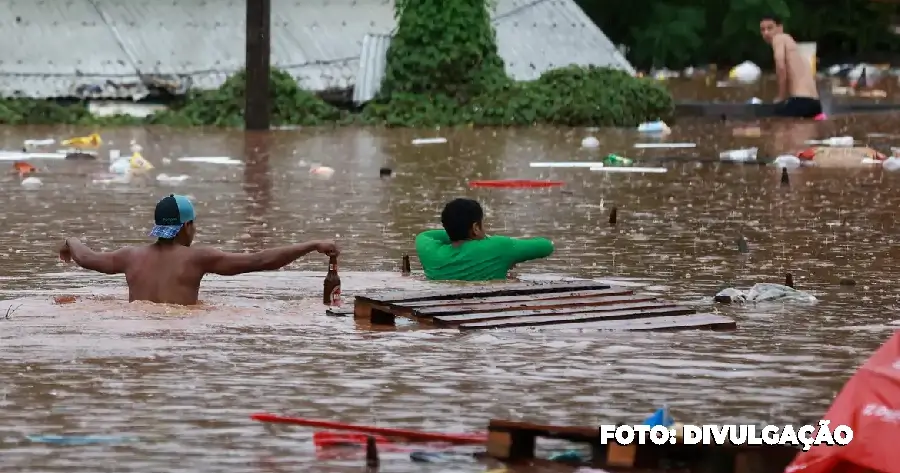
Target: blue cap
{"type": "Point", "coordinates": [171, 214]}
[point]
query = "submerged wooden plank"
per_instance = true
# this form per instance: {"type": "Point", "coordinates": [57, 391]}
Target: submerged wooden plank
{"type": "Point", "coordinates": [658, 324]}
{"type": "Point", "coordinates": [482, 290]}
{"type": "Point", "coordinates": [497, 299]}
{"type": "Point", "coordinates": [580, 318]}
{"type": "Point", "coordinates": [647, 302]}
{"type": "Point", "coordinates": [611, 296]}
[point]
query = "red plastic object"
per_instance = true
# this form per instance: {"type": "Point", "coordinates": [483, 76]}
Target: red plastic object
{"type": "Point", "coordinates": [515, 183]}
{"type": "Point", "coordinates": [408, 435]}
{"type": "Point", "coordinates": [870, 405]}
{"type": "Point", "coordinates": [331, 439]}
{"type": "Point", "coordinates": [807, 155]}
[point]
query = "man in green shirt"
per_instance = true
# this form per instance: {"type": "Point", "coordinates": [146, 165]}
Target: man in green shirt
{"type": "Point", "coordinates": [462, 252]}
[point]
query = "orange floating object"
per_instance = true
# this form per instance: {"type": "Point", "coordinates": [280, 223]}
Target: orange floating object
{"type": "Point", "coordinates": [23, 168]}
{"type": "Point", "coordinates": [515, 183]}
{"type": "Point", "coordinates": [64, 299]}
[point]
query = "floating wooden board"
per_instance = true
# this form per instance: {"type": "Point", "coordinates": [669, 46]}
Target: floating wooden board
{"type": "Point", "coordinates": [612, 296]}
{"type": "Point", "coordinates": [519, 289]}
{"type": "Point", "coordinates": [579, 304]}
{"type": "Point", "coordinates": [483, 300]}
{"type": "Point", "coordinates": [512, 441]}
{"type": "Point", "coordinates": [658, 323]}
{"type": "Point", "coordinates": [639, 302]}
{"type": "Point", "coordinates": [536, 320]}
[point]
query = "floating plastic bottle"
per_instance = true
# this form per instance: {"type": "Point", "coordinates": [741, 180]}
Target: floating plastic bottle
{"type": "Point", "coordinates": [739, 155]}
{"type": "Point", "coordinates": [616, 160]}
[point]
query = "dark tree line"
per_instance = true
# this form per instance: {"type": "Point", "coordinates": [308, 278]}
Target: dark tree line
{"type": "Point", "coordinates": [677, 33]}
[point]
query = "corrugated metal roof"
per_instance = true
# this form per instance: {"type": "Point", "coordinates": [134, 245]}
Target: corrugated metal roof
{"type": "Point", "coordinates": [82, 47]}
{"type": "Point", "coordinates": [532, 38]}
{"type": "Point", "coordinates": [372, 65]}
{"type": "Point", "coordinates": [536, 36]}
{"type": "Point", "coordinates": [56, 48]}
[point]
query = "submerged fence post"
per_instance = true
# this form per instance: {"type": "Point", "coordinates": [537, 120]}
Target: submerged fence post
{"type": "Point", "coordinates": [257, 61]}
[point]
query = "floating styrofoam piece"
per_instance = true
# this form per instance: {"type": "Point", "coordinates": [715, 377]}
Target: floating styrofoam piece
{"type": "Point", "coordinates": [31, 183]}
{"type": "Point", "coordinates": [172, 179]}
{"type": "Point", "coordinates": [429, 141]}
{"type": "Point", "coordinates": [636, 169]}
{"type": "Point", "coordinates": [36, 143]}
{"type": "Point", "coordinates": [590, 142]}
{"type": "Point", "coordinates": [20, 156]}
{"type": "Point", "coordinates": [572, 164]}
{"type": "Point", "coordinates": [665, 145]}
{"type": "Point", "coordinates": [210, 160]}
{"type": "Point", "coordinates": [870, 161]}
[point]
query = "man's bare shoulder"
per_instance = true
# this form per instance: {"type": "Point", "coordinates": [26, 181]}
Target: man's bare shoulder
{"type": "Point", "coordinates": [783, 39]}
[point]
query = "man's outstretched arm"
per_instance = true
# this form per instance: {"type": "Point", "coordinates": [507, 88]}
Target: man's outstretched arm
{"type": "Point", "coordinates": [112, 262]}
{"type": "Point", "coordinates": [212, 260]}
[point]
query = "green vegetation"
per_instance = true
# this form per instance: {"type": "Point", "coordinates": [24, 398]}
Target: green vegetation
{"type": "Point", "coordinates": [443, 69]}
{"type": "Point", "coordinates": [677, 33]}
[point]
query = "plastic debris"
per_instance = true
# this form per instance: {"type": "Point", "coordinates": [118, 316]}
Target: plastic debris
{"type": "Point", "coordinates": [210, 160]}
{"type": "Point", "coordinates": [788, 161]}
{"type": "Point", "coordinates": [31, 183]}
{"type": "Point", "coordinates": [739, 155]}
{"type": "Point", "coordinates": [91, 141]}
{"type": "Point", "coordinates": [429, 141]}
{"type": "Point", "coordinates": [665, 145]}
{"type": "Point", "coordinates": [833, 141]}
{"type": "Point", "coordinates": [165, 178]}
{"type": "Point", "coordinates": [38, 143]}
{"type": "Point", "coordinates": [765, 292]}
{"type": "Point", "coordinates": [590, 142]}
{"type": "Point", "coordinates": [657, 127]}
{"type": "Point", "coordinates": [745, 72]}
{"type": "Point", "coordinates": [321, 172]}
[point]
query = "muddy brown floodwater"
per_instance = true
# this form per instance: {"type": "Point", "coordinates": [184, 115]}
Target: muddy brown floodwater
{"type": "Point", "coordinates": [182, 382]}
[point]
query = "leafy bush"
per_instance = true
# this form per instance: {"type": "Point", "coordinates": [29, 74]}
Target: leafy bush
{"type": "Point", "coordinates": [443, 69]}
{"type": "Point", "coordinates": [224, 106]}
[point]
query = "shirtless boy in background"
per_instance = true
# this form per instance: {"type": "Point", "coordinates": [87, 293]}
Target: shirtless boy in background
{"type": "Point", "coordinates": [798, 95]}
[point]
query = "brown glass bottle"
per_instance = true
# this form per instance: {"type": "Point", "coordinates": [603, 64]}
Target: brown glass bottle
{"type": "Point", "coordinates": [332, 294]}
{"type": "Point", "coordinates": [404, 266]}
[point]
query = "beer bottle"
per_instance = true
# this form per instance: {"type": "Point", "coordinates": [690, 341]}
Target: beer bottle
{"type": "Point", "coordinates": [332, 294]}
{"type": "Point", "coordinates": [404, 266]}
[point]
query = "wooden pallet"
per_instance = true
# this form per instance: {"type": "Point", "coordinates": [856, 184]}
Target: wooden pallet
{"type": "Point", "coordinates": [570, 304]}
{"type": "Point", "coordinates": [512, 441]}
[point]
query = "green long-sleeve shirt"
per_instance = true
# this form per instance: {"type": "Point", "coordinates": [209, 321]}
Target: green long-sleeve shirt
{"type": "Point", "coordinates": [476, 260]}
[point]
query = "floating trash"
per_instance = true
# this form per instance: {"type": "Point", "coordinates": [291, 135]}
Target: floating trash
{"type": "Point", "coordinates": [38, 143]}
{"type": "Point", "coordinates": [833, 141]}
{"type": "Point", "coordinates": [31, 183]}
{"type": "Point", "coordinates": [745, 72]}
{"type": "Point", "coordinates": [210, 160]}
{"type": "Point", "coordinates": [634, 169]}
{"type": "Point", "coordinates": [665, 145]}
{"type": "Point", "coordinates": [572, 164]}
{"type": "Point", "coordinates": [322, 172]}
{"type": "Point", "coordinates": [91, 141]}
{"type": "Point", "coordinates": [165, 178]}
{"type": "Point", "coordinates": [429, 141]}
{"type": "Point", "coordinates": [739, 155]}
{"type": "Point", "coordinates": [590, 142]}
{"type": "Point", "coordinates": [658, 126]}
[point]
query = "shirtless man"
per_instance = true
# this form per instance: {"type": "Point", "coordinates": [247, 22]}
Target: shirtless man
{"type": "Point", "coordinates": [798, 95]}
{"type": "Point", "coordinates": [170, 270]}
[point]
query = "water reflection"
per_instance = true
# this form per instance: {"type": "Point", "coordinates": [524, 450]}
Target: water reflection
{"type": "Point", "coordinates": [185, 381]}
{"type": "Point", "coordinates": [257, 186]}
